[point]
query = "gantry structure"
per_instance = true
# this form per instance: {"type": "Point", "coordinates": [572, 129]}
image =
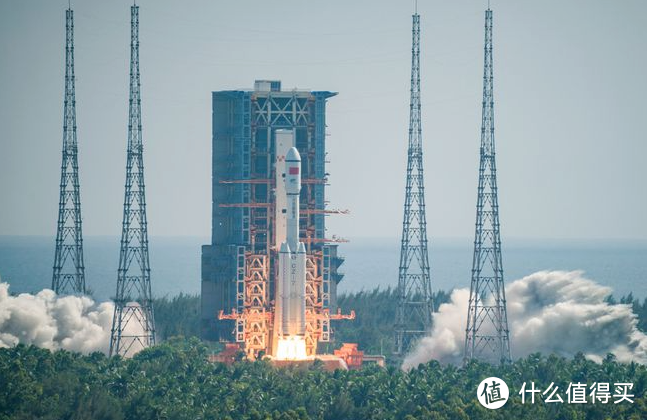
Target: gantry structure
{"type": "Point", "coordinates": [239, 267]}
{"type": "Point", "coordinates": [487, 336]}
{"type": "Point", "coordinates": [133, 324]}
{"type": "Point", "coordinates": [69, 271]}
{"type": "Point", "coordinates": [414, 306]}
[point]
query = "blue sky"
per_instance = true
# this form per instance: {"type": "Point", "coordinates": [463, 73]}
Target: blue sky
{"type": "Point", "coordinates": [569, 89]}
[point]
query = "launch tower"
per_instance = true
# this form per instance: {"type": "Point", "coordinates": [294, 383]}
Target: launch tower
{"type": "Point", "coordinates": [69, 271]}
{"type": "Point", "coordinates": [133, 325]}
{"type": "Point", "coordinates": [415, 306]}
{"type": "Point", "coordinates": [487, 336]}
{"type": "Point", "coordinates": [253, 130]}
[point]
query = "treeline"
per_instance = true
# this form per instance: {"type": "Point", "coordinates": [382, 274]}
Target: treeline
{"type": "Point", "coordinates": [174, 380]}
{"type": "Point", "coordinates": [177, 316]}
{"type": "Point", "coordinates": [639, 308]}
{"type": "Point", "coordinates": [372, 328]}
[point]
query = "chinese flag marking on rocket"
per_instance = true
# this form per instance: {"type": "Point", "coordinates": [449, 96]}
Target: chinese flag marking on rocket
{"type": "Point", "coordinates": [294, 170]}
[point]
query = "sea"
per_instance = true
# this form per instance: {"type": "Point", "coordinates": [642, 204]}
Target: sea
{"type": "Point", "coordinates": [26, 263]}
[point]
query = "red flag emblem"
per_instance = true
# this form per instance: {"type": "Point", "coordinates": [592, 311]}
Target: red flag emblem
{"type": "Point", "coordinates": [293, 170]}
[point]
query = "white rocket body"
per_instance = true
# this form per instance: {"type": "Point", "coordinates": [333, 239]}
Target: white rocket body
{"type": "Point", "coordinates": [291, 281]}
{"type": "Point", "coordinates": [283, 141]}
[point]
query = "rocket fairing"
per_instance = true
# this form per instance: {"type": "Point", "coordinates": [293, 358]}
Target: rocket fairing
{"type": "Point", "coordinates": [291, 282]}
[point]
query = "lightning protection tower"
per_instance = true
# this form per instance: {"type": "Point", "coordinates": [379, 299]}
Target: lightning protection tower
{"type": "Point", "coordinates": [69, 271]}
{"type": "Point", "coordinates": [133, 326]}
{"type": "Point", "coordinates": [487, 336]}
{"type": "Point", "coordinates": [415, 306]}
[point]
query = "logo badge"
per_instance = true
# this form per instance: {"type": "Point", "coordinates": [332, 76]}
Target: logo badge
{"type": "Point", "coordinates": [492, 393]}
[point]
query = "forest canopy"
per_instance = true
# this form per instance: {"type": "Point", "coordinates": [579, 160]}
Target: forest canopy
{"type": "Point", "coordinates": [174, 380]}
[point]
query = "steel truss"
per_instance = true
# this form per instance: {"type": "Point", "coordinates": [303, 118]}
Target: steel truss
{"type": "Point", "coordinates": [415, 305]}
{"type": "Point", "coordinates": [487, 336]}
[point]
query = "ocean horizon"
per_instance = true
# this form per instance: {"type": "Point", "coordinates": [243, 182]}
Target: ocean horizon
{"type": "Point", "coordinates": [26, 263]}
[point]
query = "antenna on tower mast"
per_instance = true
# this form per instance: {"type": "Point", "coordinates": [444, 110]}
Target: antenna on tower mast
{"type": "Point", "coordinates": [415, 306]}
{"type": "Point", "coordinates": [133, 301]}
{"type": "Point", "coordinates": [487, 336]}
{"type": "Point", "coordinates": [69, 271]}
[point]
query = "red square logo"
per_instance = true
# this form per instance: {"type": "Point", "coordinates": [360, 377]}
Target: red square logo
{"type": "Point", "coordinates": [293, 170]}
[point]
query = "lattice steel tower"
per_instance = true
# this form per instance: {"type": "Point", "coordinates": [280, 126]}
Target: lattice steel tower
{"type": "Point", "coordinates": [69, 271]}
{"type": "Point", "coordinates": [133, 325]}
{"type": "Point", "coordinates": [415, 306]}
{"type": "Point", "coordinates": [487, 335]}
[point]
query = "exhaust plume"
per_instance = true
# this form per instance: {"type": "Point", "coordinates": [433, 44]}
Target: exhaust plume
{"type": "Point", "coordinates": [74, 323]}
{"type": "Point", "coordinates": [549, 312]}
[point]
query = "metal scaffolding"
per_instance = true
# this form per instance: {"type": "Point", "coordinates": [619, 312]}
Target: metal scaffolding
{"type": "Point", "coordinates": [414, 306]}
{"type": "Point", "coordinates": [245, 214]}
{"type": "Point", "coordinates": [133, 324]}
{"type": "Point", "coordinates": [69, 270]}
{"type": "Point", "coordinates": [487, 336]}
{"type": "Point", "coordinates": [254, 315]}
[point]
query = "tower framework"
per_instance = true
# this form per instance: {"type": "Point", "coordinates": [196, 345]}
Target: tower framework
{"type": "Point", "coordinates": [240, 266]}
{"type": "Point", "coordinates": [415, 305]}
{"type": "Point", "coordinates": [69, 271]}
{"type": "Point", "coordinates": [133, 325]}
{"type": "Point", "coordinates": [487, 335]}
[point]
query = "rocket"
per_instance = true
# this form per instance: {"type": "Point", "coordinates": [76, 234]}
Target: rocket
{"type": "Point", "coordinates": [290, 304]}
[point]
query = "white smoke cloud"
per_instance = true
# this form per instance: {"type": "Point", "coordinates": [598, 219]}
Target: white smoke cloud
{"type": "Point", "coordinates": [549, 312]}
{"type": "Point", "coordinates": [74, 323]}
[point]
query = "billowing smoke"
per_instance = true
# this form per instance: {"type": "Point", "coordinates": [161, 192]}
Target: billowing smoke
{"type": "Point", "coordinates": [74, 323]}
{"type": "Point", "coordinates": [549, 312]}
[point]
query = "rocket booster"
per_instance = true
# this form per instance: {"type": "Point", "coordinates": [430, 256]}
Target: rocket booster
{"type": "Point", "coordinates": [291, 281]}
{"type": "Point", "coordinates": [292, 190]}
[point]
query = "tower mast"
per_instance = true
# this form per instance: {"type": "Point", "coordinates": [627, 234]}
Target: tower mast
{"type": "Point", "coordinates": [415, 306]}
{"type": "Point", "coordinates": [69, 271]}
{"type": "Point", "coordinates": [133, 325]}
{"type": "Point", "coordinates": [487, 335]}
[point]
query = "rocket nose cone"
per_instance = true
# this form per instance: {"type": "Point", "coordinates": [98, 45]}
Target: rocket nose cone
{"type": "Point", "coordinates": [293, 155]}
